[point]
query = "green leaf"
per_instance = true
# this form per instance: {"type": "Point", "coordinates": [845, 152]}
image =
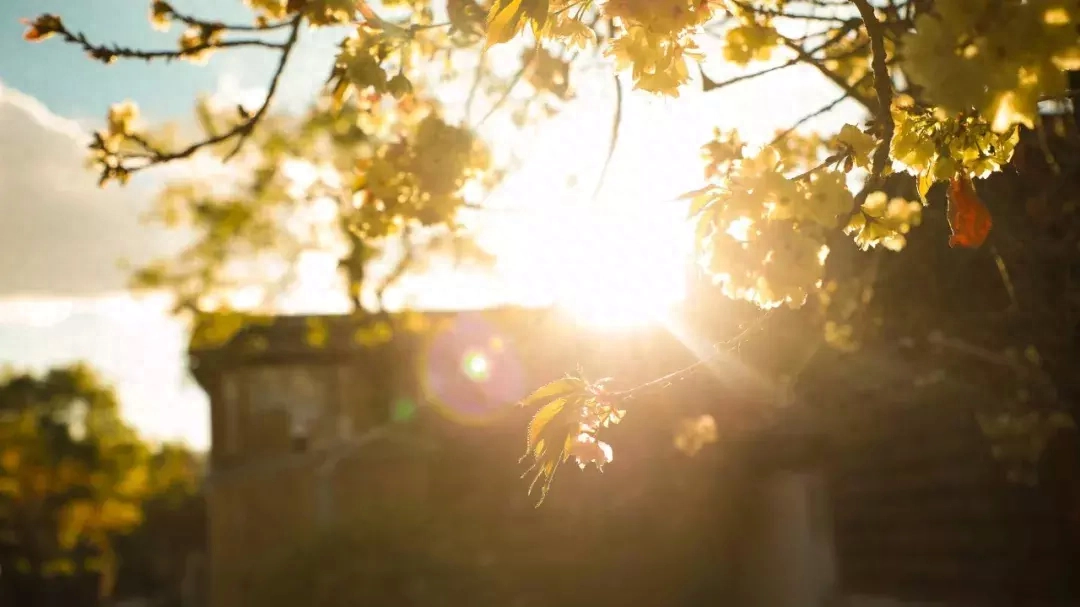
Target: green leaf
{"type": "Point", "coordinates": [559, 387]}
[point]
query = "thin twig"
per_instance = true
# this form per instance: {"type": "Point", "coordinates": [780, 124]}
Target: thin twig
{"type": "Point", "coordinates": [402, 266]}
{"type": "Point", "coordinates": [249, 126]}
{"type": "Point", "coordinates": [831, 160]}
{"type": "Point", "coordinates": [152, 155]}
{"type": "Point", "coordinates": [719, 349]}
{"type": "Point", "coordinates": [767, 12]}
{"type": "Point", "coordinates": [196, 22]}
{"type": "Point", "coordinates": [419, 27]}
{"type": "Point", "coordinates": [835, 78]}
{"type": "Point", "coordinates": [476, 82]}
{"type": "Point", "coordinates": [807, 118]}
{"type": "Point", "coordinates": [506, 93]}
{"type": "Point", "coordinates": [1006, 280]}
{"type": "Point", "coordinates": [710, 85]}
{"type": "Point", "coordinates": [1044, 146]}
{"type": "Point", "coordinates": [615, 124]}
{"type": "Point", "coordinates": [108, 54]}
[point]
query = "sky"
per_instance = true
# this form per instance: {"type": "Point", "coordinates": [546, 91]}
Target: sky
{"type": "Point", "coordinates": [62, 238]}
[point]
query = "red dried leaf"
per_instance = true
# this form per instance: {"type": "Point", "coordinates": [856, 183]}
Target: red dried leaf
{"type": "Point", "coordinates": [41, 28]}
{"type": "Point", "coordinates": [969, 218]}
{"type": "Point", "coordinates": [32, 33]}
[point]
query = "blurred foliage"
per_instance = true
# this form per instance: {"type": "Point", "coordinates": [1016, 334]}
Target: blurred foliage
{"type": "Point", "coordinates": [75, 479]}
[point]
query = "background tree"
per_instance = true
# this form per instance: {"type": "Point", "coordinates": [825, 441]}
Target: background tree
{"type": "Point", "coordinates": [74, 479]}
{"type": "Point", "coordinates": [947, 87]}
{"type": "Point", "coordinates": [161, 559]}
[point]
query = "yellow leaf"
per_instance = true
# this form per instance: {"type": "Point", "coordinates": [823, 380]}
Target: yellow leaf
{"type": "Point", "coordinates": [573, 32]}
{"type": "Point", "coordinates": [926, 179]}
{"type": "Point", "coordinates": [701, 200]}
{"type": "Point", "coordinates": [556, 388]}
{"type": "Point", "coordinates": [540, 421]}
{"type": "Point", "coordinates": [860, 144]}
{"type": "Point", "coordinates": [507, 17]}
{"type": "Point", "coordinates": [504, 21]}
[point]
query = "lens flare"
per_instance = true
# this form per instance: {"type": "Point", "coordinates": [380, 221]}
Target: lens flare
{"type": "Point", "coordinates": [476, 366]}
{"type": "Point", "coordinates": [403, 410]}
{"type": "Point", "coordinates": [471, 371]}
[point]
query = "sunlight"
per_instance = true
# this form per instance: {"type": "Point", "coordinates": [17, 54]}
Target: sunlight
{"type": "Point", "coordinates": [610, 268]}
{"type": "Point", "coordinates": [616, 260]}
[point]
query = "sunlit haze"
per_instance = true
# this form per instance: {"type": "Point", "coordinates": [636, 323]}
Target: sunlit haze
{"type": "Point", "coordinates": [615, 256]}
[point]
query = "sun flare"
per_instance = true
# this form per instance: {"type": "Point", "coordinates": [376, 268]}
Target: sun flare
{"type": "Point", "coordinates": [608, 267]}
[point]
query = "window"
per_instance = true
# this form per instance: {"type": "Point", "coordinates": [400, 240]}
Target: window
{"type": "Point", "coordinates": [301, 392]}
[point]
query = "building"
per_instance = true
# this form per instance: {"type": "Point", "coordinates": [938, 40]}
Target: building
{"type": "Point", "coordinates": [842, 499]}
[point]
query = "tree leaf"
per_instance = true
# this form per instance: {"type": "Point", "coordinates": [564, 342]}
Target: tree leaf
{"type": "Point", "coordinates": [925, 181]}
{"type": "Point", "coordinates": [700, 202]}
{"type": "Point", "coordinates": [507, 17]}
{"type": "Point", "coordinates": [969, 218]}
{"type": "Point", "coordinates": [552, 390]}
{"type": "Point", "coordinates": [540, 421]}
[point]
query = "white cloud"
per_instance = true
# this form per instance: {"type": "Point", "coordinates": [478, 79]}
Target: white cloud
{"type": "Point", "coordinates": [132, 342]}
{"type": "Point", "coordinates": [61, 234]}
{"type": "Point", "coordinates": [61, 285]}
{"type": "Point", "coordinates": [230, 93]}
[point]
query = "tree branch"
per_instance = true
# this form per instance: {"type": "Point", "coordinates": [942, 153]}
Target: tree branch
{"type": "Point", "coordinates": [194, 21]}
{"type": "Point", "coordinates": [245, 131]}
{"type": "Point", "coordinates": [709, 85]}
{"type": "Point", "coordinates": [805, 57]}
{"type": "Point", "coordinates": [882, 86]}
{"type": "Point", "coordinates": [108, 54]}
{"type": "Point", "coordinates": [506, 93]}
{"type": "Point", "coordinates": [402, 266]}
{"type": "Point", "coordinates": [801, 56]}
{"type": "Point", "coordinates": [766, 12]}
{"type": "Point", "coordinates": [476, 82]}
{"type": "Point", "coordinates": [808, 117]}
{"type": "Point", "coordinates": [241, 131]}
{"type": "Point", "coordinates": [831, 160]}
